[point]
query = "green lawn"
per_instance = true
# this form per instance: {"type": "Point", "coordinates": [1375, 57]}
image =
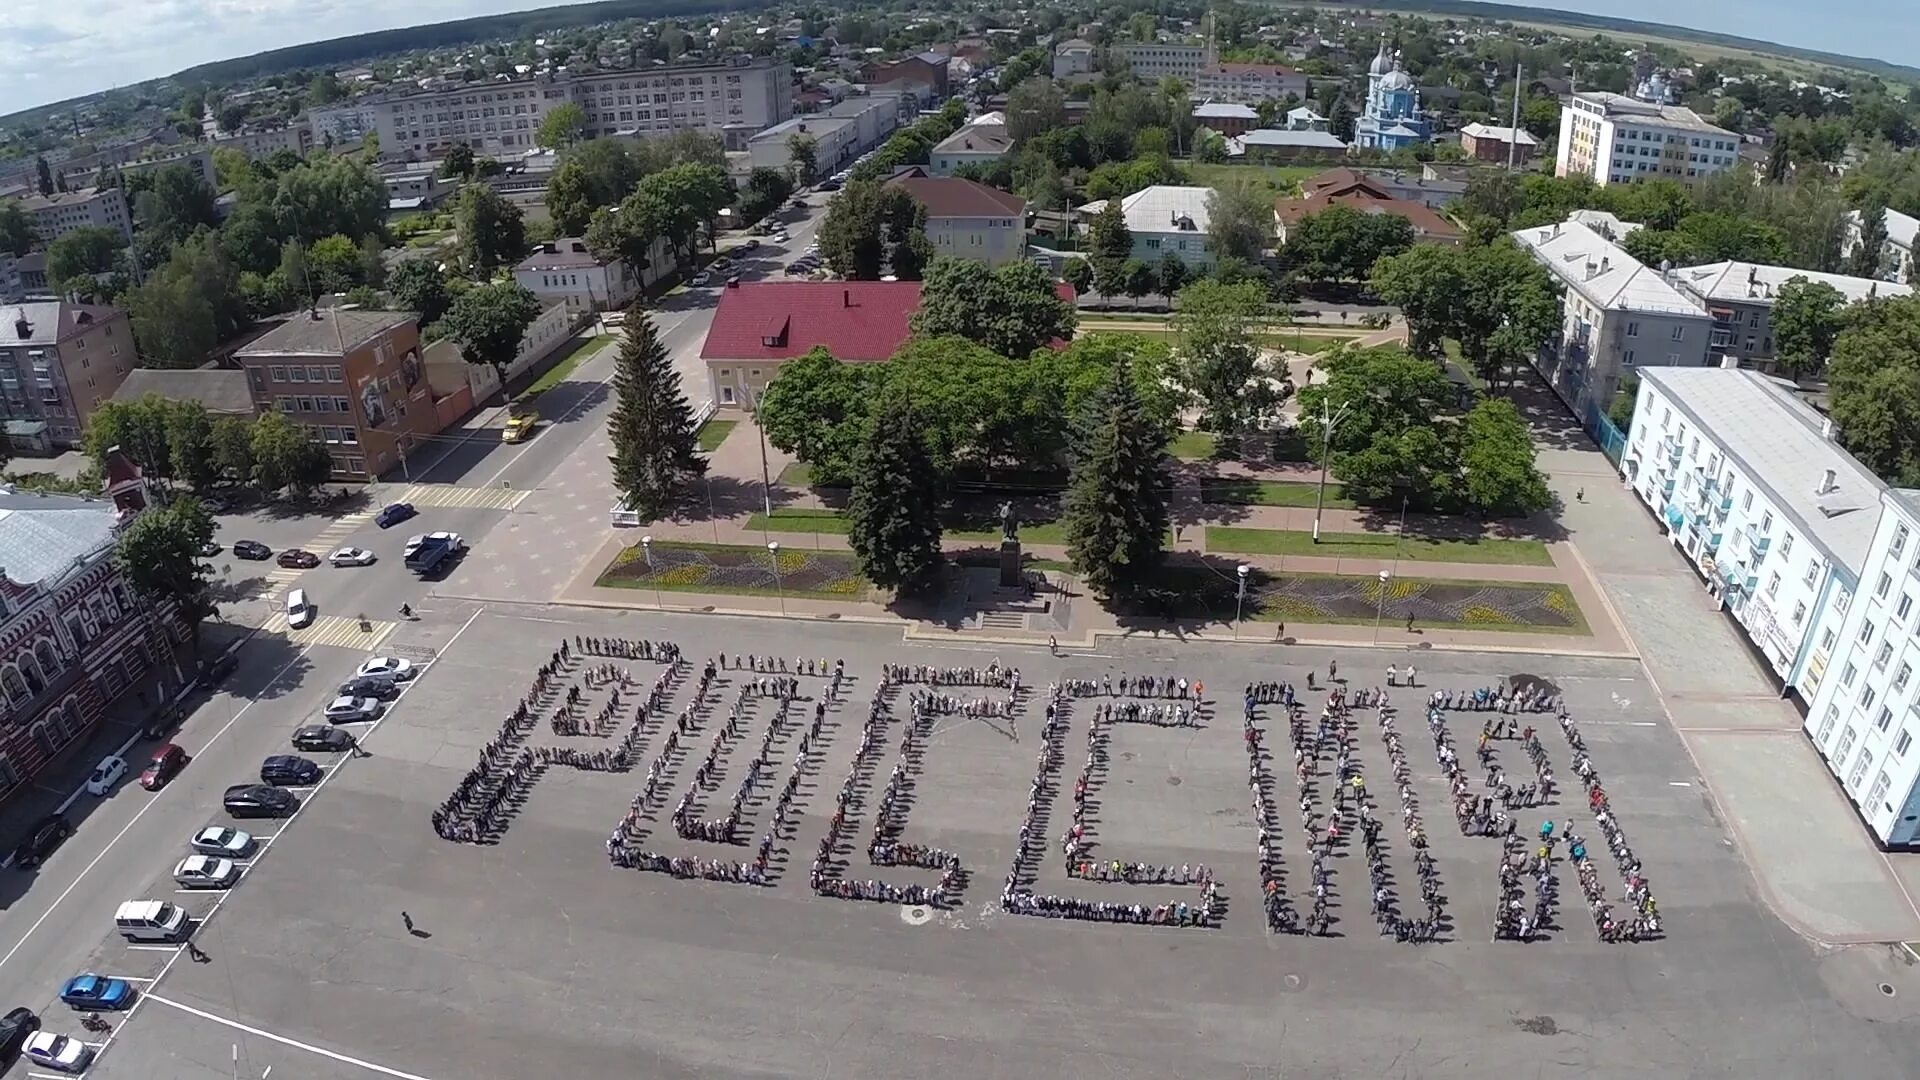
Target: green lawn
{"type": "Point", "coordinates": [1276, 339]}
{"type": "Point", "coordinates": [1283, 179]}
{"type": "Point", "coordinates": [714, 432]}
{"type": "Point", "coordinates": [834, 523]}
{"type": "Point", "coordinates": [1243, 541]}
{"type": "Point", "coordinates": [1271, 493]}
{"type": "Point", "coordinates": [1192, 446]}
{"type": "Point", "coordinates": [1312, 344]}
{"type": "Point", "coordinates": [558, 373]}
{"type": "Point", "coordinates": [798, 474]}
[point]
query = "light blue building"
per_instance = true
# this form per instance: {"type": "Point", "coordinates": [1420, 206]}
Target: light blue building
{"type": "Point", "coordinates": [1392, 118]}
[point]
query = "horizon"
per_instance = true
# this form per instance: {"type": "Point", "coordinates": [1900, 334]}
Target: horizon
{"type": "Point", "coordinates": [60, 49]}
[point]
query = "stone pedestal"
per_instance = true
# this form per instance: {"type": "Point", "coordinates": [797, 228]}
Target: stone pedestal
{"type": "Point", "coordinates": [1010, 574]}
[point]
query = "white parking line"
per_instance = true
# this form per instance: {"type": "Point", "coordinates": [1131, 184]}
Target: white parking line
{"type": "Point", "coordinates": [138, 814]}
{"type": "Point", "coordinates": [284, 1040]}
{"type": "Point", "coordinates": [155, 948]}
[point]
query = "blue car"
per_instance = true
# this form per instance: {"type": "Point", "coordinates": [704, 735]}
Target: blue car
{"type": "Point", "coordinates": [90, 991]}
{"type": "Point", "coordinates": [393, 514]}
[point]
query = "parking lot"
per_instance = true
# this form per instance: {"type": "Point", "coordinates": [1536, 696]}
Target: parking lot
{"type": "Point", "coordinates": [360, 940]}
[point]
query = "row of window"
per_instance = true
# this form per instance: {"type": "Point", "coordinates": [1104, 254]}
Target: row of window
{"type": "Point", "coordinates": [310, 373]}
{"type": "Point", "coordinates": [301, 403]}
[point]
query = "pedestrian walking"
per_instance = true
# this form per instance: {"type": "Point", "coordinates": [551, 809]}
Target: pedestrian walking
{"type": "Point", "coordinates": [408, 920]}
{"type": "Point", "coordinates": [1053, 645]}
{"type": "Point", "coordinates": [1280, 632]}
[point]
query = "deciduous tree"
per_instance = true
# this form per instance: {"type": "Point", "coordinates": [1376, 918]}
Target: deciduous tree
{"type": "Point", "coordinates": [1873, 376]}
{"type": "Point", "coordinates": [489, 320]}
{"type": "Point", "coordinates": [1807, 318]}
{"type": "Point", "coordinates": [417, 285]}
{"type": "Point", "coordinates": [564, 125]}
{"type": "Point", "coordinates": [1220, 352]}
{"type": "Point", "coordinates": [1498, 475]}
{"type": "Point", "coordinates": [492, 233]}
{"type": "Point", "coordinates": [17, 234]}
{"type": "Point", "coordinates": [159, 552]}
{"type": "Point", "coordinates": [1012, 310]}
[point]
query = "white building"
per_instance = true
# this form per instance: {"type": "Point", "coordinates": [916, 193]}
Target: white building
{"type": "Point", "coordinates": [1249, 84]}
{"type": "Point", "coordinates": [1618, 315]}
{"type": "Point", "coordinates": [60, 213]}
{"type": "Point", "coordinates": [1153, 61]}
{"type": "Point", "coordinates": [1072, 57]}
{"type": "Point", "coordinates": [1303, 118]}
{"type": "Point", "coordinates": [1619, 140]}
{"type": "Point", "coordinates": [836, 141]}
{"type": "Point", "coordinates": [567, 273]}
{"type": "Point", "coordinates": [975, 144]}
{"type": "Point", "coordinates": [1164, 218]}
{"type": "Point", "coordinates": [1739, 297]}
{"type": "Point", "coordinates": [1896, 254]}
{"type": "Point", "coordinates": [345, 123]}
{"type": "Point", "coordinates": [263, 142]}
{"type": "Point", "coordinates": [967, 219]}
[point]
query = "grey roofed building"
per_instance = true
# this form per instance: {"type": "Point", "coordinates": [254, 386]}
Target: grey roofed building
{"type": "Point", "coordinates": [42, 535]}
{"type": "Point", "coordinates": [327, 332]}
{"type": "Point", "coordinates": [1288, 139]}
{"type": "Point", "coordinates": [223, 391]}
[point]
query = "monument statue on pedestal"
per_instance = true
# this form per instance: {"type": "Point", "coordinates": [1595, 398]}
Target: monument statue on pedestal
{"type": "Point", "coordinates": [1010, 574]}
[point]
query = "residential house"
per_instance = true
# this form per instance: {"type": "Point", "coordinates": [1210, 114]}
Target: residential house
{"type": "Point", "coordinates": [925, 74]}
{"type": "Point", "coordinates": [264, 142]}
{"type": "Point", "coordinates": [60, 213]}
{"type": "Point", "coordinates": [1896, 252]}
{"type": "Point", "coordinates": [1226, 117]}
{"type": "Point", "coordinates": [1362, 194]}
{"type": "Point", "coordinates": [836, 141]}
{"type": "Point", "coordinates": [1486, 142]}
{"type": "Point", "coordinates": [967, 219]}
{"type": "Point", "coordinates": [974, 144]}
{"type": "Point", "coordinates": [1740, 295]}
{"type": "Point", "coordinates": [565, 272]}
{"type": "Point", "coordinates": [1249, 84]}
{"type": "Point", "coordinates": [1155, 60]}
{"type": "Point", "coordinates": [58, 362]}
{"type": "Point", "coordinates": [1165, 219]}
{"type": "Point", "coordinates": [223, 391]}
{"type": "Point", "coordinates": [1303, 118]}
{"type": "Point", "coordinates": [1072, 57]}
{"type": "Point", "coordinates": [417, 189]}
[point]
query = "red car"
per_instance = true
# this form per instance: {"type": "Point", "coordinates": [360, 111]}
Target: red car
{"type": "Point", "coordinates": [167, 761]}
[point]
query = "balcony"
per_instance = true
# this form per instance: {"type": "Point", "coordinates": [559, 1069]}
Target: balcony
{"type": "Point", "coordinates": [1670, 446]}
{"type": "Point", "coordinates": [1758, 541]}
{"type": "Point", "coordinates": [1666, 487]}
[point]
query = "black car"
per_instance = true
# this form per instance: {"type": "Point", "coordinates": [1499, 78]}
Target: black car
{"type": "Point", "coordinates": [212, 671]}
{"type": "Point", "coordinates": [373, 687]}
{"type": "Point", "coordinates": [15, 1028]}
{"type": "Point", "coordinates": [326, 740]}
{"type": "Point", "coordinates": [287, 770]}
{"type": "Point", "coordinates": [259, 800]}
{"type": "Point", "coordinates": [46, 834]}
{"type": "Point", "coordinates": [251, 549]}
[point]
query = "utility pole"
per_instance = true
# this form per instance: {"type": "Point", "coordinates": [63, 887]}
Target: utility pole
{"type": "Point", "coordinates": [1513, 133]}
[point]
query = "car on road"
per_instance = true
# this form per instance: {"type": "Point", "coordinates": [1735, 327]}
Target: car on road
{"type": "Point", "coordinates": [218, 668]}
{"type": "Point", "coordinates": [251, 549]}
{"type": "Point", "coordinates": [61, 1053]}
{"type": "Point", "coordinates": [752, 245]}
{"type": "Point", "coordinates": [388, 665]}
{"type": "Point", "coordinates": [352, 710]}
{"type": "Point", "coordinates": [289, 770]}
{"type": "Point", "coordinates": [259, 800]}
{"type": "Point", "coordinates": [414, 543]}
{"type": "Point", "coordinates": [353, 556]}
{"type": "Point", "coordinates": [781, 237]}
{"type": "Point", "coordinates": [90, 991]}
{"type": "Point", "coordinates": [167, 762]}
{"type": "Point", "coordinates": [223, 840]}
{"type": "Point", "coordinates": [206, 872]}
{"type": "Point", "coordinates": [300, 610]}
{"type": "Point", "coordinates": [326, 740]}
{"type": "Point", "coordinates": [209, 549]}
{"type": "Point", "coordinates": [393, 514]}
{"type": "Point", "coordinates": [19, 1023]}
{"type": "Point", "coordinates": [41, 840]}
{"type": "Point", "coordinates": [296, 559]}
{"type": "Point", "coordinates": [702, 278]}
{"type": "Point", "coordinates": [106, 774]}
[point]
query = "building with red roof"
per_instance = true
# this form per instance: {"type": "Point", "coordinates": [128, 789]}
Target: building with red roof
{"type": "Point", "coordinates": [1345, 187]}
{"type": "Point", "coordinates": [968, 219]}
{"type": "Point", "coordinates": [761, 325]}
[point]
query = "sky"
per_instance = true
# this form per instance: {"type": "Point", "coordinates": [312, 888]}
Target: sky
{"type": "Point", "coordinates": [61, 52]}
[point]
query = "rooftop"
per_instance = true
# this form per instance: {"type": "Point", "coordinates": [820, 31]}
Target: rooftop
{"type": "Point", "coordinates": [1224, 110]}
{"type": "Point", "coordinates": [1760, 283]}
{"type": "Point", "coordinates": [950, 196]}
{"type": "Point", "coordinates": [48, 322]}
{"type": "Point", "coordinates": [1270, 71]}
{"type": "Point", "coordinates": [42, 535]}
{"type": "Point", "coordinates": [1606, 223]}
{"type": "Point", "coordinates": [777, 320]}
{"type": "Point", "coordinates": [221, 390]}
{"type": "Point", "coordinates": [326, 332]}
{"type": "Point", "coordinates": [976, 138]}
{"type": "Point", "coordinates": [1304, 139]}
{"type": "Point", "coordinates": [1622, 107]}
{"type": "Point", "coordinates": [1162, 208]}
{"type": "Point", "coordinates": [1499, 134]}
{"type": "Point", "coordinates": [566, 253]}
{"type": "Point", "coordinates": [63, 198]}
{"type": "Point", "coordinates": [1775, 439]}
{"type": "Point", "coordinates": [1600, 271]}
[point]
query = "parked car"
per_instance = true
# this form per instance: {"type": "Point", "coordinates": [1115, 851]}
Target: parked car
{"type": "Point", "coordinates": [206, 872]}
{"type": "Point", "coordinates": [90, 991]}
{"type": "Point", "coordinates": [352, 710]}
{"type": "Point", "coordinates": [393, 514]}
{"type": "Point", "coordinates": [60, 1053]}
{"type": "Point", "coordinates": [388, 665]}
{"type": "Point", "coordinates": [167, 761]}
{"type": "Point", "coordinates": [296, 559]}
{"type": "Point", "coordinates": [733, 282]}
{"type": "Point", "coordinates": [352, 556]}
{"type": "Point", "coordinates": [106, 774]}
{"type": "Point", "coordinates": [41, 840]}
{"type": "Point", "coordinates": [370, 686]}
{"type": "Point", "coordinates": [15, 1027]}
{"type": "Point", "coordinates": [223, 840]}
{"type": "Point", "coordinates": [753, 245]}
{"type": "Point", "coordinates": [259, 800]}
{"type": "Point", "coordinates": [209, 549]}
{"type": "Point", "coordinates": [326, 740]}
{"type": "Point", "coordinates": [781, 237]}
{"type": "Point", "coordinates": [289, 770]}
{"type": "Point", "coordinates": [251, 549]}
{"type": "Point", "coordinates": [214, 670]}
{"type": "Point", "coordinates": [702, 278]}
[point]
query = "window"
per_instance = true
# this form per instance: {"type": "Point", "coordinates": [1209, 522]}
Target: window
{"type": "Point", "coordinates": [316, 373]}
{"type": "Point", "coordinates": [1826, 641]}
{"type": "Point", "coordinates": [1813, 572]}
{"type": "Point", "coordinates": [1860, 768]}
{"type": "Point", "coordinates": [1901, 677]}
{"type": "Point", "coordinates": [1899, 542]}
{"type": "Point", "coordinates": [340, 405]}
{"type": "Point", "coordinates": [1746, 503]}
{"type": "Point", "coordinates": [1866, 631]}
{"type": "Point", "coordinates": [1880, 587]}
{"type": "Point", "coordinates": [1905, 606]}
{"type": "Point", "coordinates": [1901, 742]}
{"type": "Point", "coordinates": [283, 404]}
{"type": "Point", "coordinates": [1773, 584]}
{"type": "Point", "coordinates": [1867, 696]}
{"type": "Point", "coordinates": [277, 373]}
{"type": "Point", "coordinates": [1826, 724]}
{"type": "Point", "coordinates": [1799, 613]}
{"type": "Point", "coordinates": [1679, 333]}
{"type": "Point", "coordinates": [1766, 522]}
{"type": "Point", "coordinates": [306, 404]}
{"type": "Point", "coordinates": [1786, 545]}
{"type": "Point", "coordinates": [1841, 751]}
{"type": "Point", "coordinates": [1877, 792]}
{"type": "Point", "coordinates": [350, 435]}
{"type": "Point", "coordinates": [1850, 674]}
{"type": "Point", "coordinates": [1885, 654]}
{"type": "Point", "coordinates": [1633, 329]}
{"type": "Point", "coordinates": [1885, 718]}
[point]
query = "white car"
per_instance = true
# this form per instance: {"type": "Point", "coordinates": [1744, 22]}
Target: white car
{"type": "Point", "coordinates": [352, 556]}
{"type": "Point", "coordinates": [106, 774]}
{"type": "Point", "coordinates": [352, 710]}
{"type": "Point", "coordinates": [414, 542]}
{"type": "Point", "coordinates": [58, 1052]}
{"type": "Point", "coordinates": [781, 238]}
{"type": "Point", "coordinates": [223, 841]}
{"type": "Point", "coordinates": [702, 278]}
{"type": "Point", "coordinates": [400, 670]}
{"type": "Point", "coordinates": [205, 872]}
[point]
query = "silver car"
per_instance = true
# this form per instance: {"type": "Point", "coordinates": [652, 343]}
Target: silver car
{"type": "Point", "coordinates": [206, 872]}
{"type": "Point", "coordinates": [352, 710]}
{"type": "Point", "coordinates": [221, 840]}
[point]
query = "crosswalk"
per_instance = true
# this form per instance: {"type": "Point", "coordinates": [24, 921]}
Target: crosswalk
{"type": "Point", "coordinates": [469, 498]}
{"type": "Point", "coordinates": [336, 630]}
{"type": "Point", "coordinates": [279, 580]}
{"type": "Point", "coordinates": [333, 535]}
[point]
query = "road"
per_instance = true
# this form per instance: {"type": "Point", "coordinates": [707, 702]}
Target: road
{"type": "Point", "coordinates": [55, 916]}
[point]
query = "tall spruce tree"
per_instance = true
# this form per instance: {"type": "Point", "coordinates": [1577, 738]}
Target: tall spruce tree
{"type": "Point", "coordinates": [654, 446]}
{"type": "Point", "coordinates": [1116, 510]}
{"type": "Point", "coordinates": [894, 514]}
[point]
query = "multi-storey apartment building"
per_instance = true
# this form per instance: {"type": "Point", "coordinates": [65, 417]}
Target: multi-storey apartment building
{"type": "Point", "coordinates": [1618, 315]}
{"type": "Point", "coordinates": [1739, 296]}
{"type": "Point", "coordinates": [1620, 140]}
{"type": "Point", "coordinates": [1896, 251]}
{"type": "Point", "coordinates": [1155, 60]}
{"type": "Point", "coordinates": [502, 117]}
{"type": "Point", "coordinates": [58, 214]}
{"type": "Point", "coordinates": [353, 378]}
{"type": "Point", "coordinates": [262, 142]}
{"type": "Point", "coordinates": [1249, 84]}
{"type": "Point", "coordinates": [74, 637]}
{"type": "Point", "coordinates": [58, 362]}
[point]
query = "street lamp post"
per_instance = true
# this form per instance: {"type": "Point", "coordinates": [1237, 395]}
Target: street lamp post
{"type": "Point", "coordinates": [1328, 421]}
{"type": "Point", "coordinates": [1240, 598]}
{"type": "Point", "coordinates": [646, 545]}
{"type": "Point", "coordinates": [773, 549]}
{"type": "Point", "coordinates": [766, 476]}
{"type": "Point", "coordinates": [1380, 605]}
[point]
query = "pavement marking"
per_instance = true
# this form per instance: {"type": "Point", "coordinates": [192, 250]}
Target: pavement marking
{"type": "Point", "coordinates": [155, 948]}
{"type": "Point", "coordinates": [284, 1040]}
{"type": "Point", "coordinates": [472, 498]}
{"type": "Point", "coordinates": [335, 630]}
{"type": "Point", "coordinates": [1678, 783]}
{"type": "Point", "coordinates": [138, 814]}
